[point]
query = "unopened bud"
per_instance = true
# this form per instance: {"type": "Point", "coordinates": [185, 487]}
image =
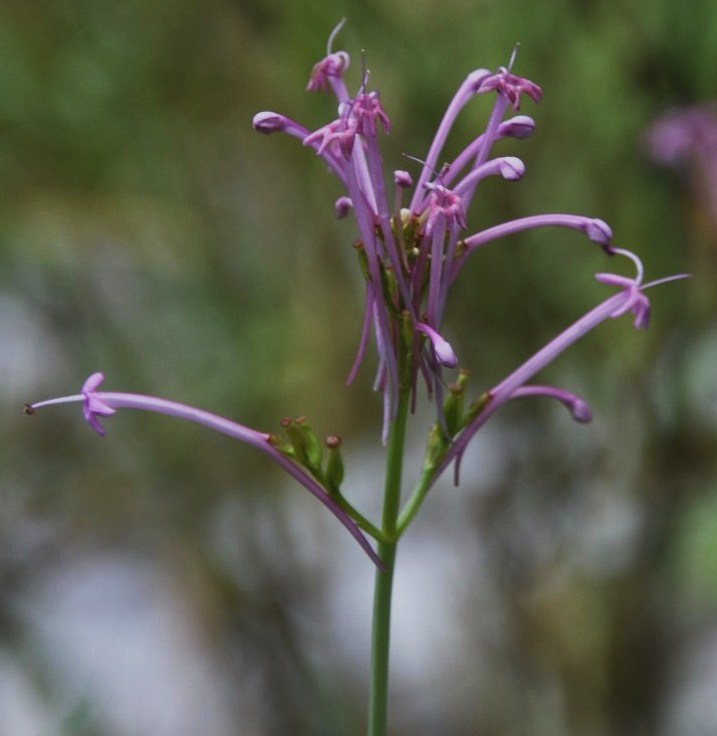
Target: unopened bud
{"type": "Point", "coordinates": [581, 411]}
{"type": "Point", "coordinates": [436, 448]}
{"type": "Point", "coordinates": [599, 232]}
{"type": "Point", "coordinates": [402, 179]}
{"type": "Point", "coordinates": [453, 406]}
{"type": "Point", "coordinates": [285, 448]}
{"type": "Point", "coordinates": [519, 126]}
{"type": "Point", "coordinates": [362, 258]}
{"type": "Point", "coordinates": [297, 439]}
{"type": "Point", "coordinates": [342, 207]}
{"type": "Point", "coordinates": [334, 474]}
{"type": "Point", "coordinates": [268, 122]}
{"type": "Point", "coordinates": [312, 445]}
{"type": "Point", "coordinates": [511, 168]}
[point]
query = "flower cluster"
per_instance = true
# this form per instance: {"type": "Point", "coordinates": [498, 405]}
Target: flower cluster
{"type": "Point", "coordinates": [411, 255]}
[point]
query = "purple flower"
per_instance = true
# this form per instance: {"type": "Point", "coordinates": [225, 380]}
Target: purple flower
{"type": "Point", "coordinates": [683, 133]}
{"type": "Point", "coordinates": [93, 406]}
{"type": "Point", "coordinates": [412, 255]}
{"type": "Point", "coordinates": [630, 298]}
{"type": "Point", "coordinates": [578, 408]}
{"type": "Point", "coordinates": [441, 347]}
{"type": "Point", "coordinates": [686, 138]}
{"type": "Point", "coordinates": [330, 70]}
{"type": "Point", "coordinates": [99, 404]}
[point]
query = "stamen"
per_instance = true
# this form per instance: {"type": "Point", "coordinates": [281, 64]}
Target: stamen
{"type": "Point", "coordinates": [332, 36]}
{"type": "Point", "coordinates": [666, 279]}
{"type": "Point", "coordinates": [638, 263]}
{"type": "Point", "coordinates": [513, 55]}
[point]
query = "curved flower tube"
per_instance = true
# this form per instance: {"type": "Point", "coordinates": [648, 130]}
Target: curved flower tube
{"type": "Point", "coordinates": [464, 93]}
{"type": "Point", "coordinates": [578, 408]}
{"type": "Point", "coordinates": [519, 126]}
{"type": "Point", "coordinates": [101, 404]}
{"type": "Point", "coordinates": [631, 298]}
{"type": "Point", "coordinates": [596, 230]}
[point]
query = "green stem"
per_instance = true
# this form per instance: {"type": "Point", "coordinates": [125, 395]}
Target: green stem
{"type": "Point", "coordinates": [380, 642]}
{"type": "Point", "coordinates": [415, 500]}
{"type": "Point", "coordinates": [358, 517]}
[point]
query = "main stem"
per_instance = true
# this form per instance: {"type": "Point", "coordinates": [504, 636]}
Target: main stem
{"type": "Point", "coordinates": [381, 637]}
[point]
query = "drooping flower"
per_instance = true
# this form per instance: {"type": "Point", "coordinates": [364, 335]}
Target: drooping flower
{"type": "Point", "coordinates": [631, 298]}
{"type": "Point", "coordinates": [412, 255]}
{"type": "Point", "coordinates": [98, 404]}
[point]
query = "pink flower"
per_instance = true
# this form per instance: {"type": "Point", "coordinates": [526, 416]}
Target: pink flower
{"type": "Point", "coordinates": [412, 256]}
{"type": "Point", "coordinates": [100, 404]}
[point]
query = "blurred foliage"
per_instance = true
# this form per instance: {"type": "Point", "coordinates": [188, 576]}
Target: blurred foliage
{"type": "Point", "coordinates": [148, 232]}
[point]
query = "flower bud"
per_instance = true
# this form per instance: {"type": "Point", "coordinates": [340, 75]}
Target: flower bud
{"type": "Point", "coordinates": [342, 207]}
{"type": "Point", "coordinates": [362, 258]}
{"type": "Point", "coordinates": [312, 445]}
{"type": "Point", "coordinates": [580, 411]}
{"type": "Point", "coordinates": [334, 473]}
{"type": "Point", "coordinates": [268, 122]}
{"type": "Point", "coordinates": [511, 168]}
{"type": "Point", "coordinates": [519, 126]}
{"type": "Point", "coordinates": [435, 448]}
{"type": "Point", "coordinates": [599, 232]}
{"type": "Point", "coordinates": [453, 406]}
{"type": "Point", "coordinates": [402, 179]}
{"type": "Point", "coordinates": [304, 443]}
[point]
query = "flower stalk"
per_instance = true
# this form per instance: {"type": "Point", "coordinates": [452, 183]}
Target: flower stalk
{"type": "Point", "coordinates": [409, 257]}
{"type": "Point", "coordinates": [383, 585]}
{"type": "Point", "coordinates": [102, 404]}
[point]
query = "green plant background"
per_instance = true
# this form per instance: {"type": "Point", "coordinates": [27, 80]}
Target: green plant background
{"type": "Point", "coordinates": [148, 232]}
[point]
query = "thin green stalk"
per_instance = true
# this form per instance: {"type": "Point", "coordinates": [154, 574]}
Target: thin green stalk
{"type": "Point", "coordinates": [358, 517]}
{"type": "Point", "coordinates": [380, 643]}
{"type": "Point", "coordinates": [415, 501]}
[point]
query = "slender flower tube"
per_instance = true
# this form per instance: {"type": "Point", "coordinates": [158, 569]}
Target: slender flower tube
{"type": "Point", "coordinates": [578, 408]}
{"type": "Point", "coordinates": [630, 298]}
{"type": "Point", "coordinates": [519, 126]}
{"type": "Point", "coordinates": [101, 404]}
{"type": "Point", "coordinates": [411, 256]}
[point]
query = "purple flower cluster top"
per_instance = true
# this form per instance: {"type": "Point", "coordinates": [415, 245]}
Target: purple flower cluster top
{"type": "Point", "coordinates": [412, 253]}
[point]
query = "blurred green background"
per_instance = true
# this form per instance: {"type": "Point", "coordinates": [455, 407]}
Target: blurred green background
{"type": "Point", "coordinates": [166, 581]}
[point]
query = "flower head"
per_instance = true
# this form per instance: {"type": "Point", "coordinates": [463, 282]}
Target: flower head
{"type": "Point", "coordinates": [96, 404]}
{"type": "Point", "coordinates": [93, 406]}
{"type": "Point", "coordinates": [329, 68]}
{"type": "Point", "coordinates": [631, 297]}
{"type": "Point", "coordinates": [511, 87]}
{"type": "Point", "coordinates": [328, 73]}
{"type": "Point", "coordinates": [412, 255]}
